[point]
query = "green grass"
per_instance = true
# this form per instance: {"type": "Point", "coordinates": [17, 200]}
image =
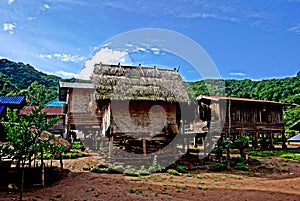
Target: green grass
{"type": "Point", "coordinates": [291, 156]}
{"type": "Point", "coordinates": [283, 153]}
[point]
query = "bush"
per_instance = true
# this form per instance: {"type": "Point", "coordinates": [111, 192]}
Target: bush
{"type": "Point", "coordinates": [143, 171]}
{"type": "Point", "coordinates": [130, 172]}
{"type": "Point", "coordinates": [181, 169]}
{"type": "Point", "coordinates": [218, 167]}
{"type": "Point", "coordinates": [237, 160]}
{"type": "Point", "coordinates": [117, 168]}
{"type": "Point", "coordinates": [173, 172]}
{"type": "Point", "coordinates": [241, 166]}
{"type": "Point", "coordinates": [78, 145]}
{"type": "Point", "coordinates": [101, 170]}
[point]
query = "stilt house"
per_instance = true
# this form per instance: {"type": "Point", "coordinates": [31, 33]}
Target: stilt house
{"type": "Point", "coordinates": [240, 116]}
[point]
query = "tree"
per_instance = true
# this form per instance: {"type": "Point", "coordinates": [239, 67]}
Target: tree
{"type": "Point", "coordinates": [241, 143]}
{"type": "Point", "coordinates": [23, 135]}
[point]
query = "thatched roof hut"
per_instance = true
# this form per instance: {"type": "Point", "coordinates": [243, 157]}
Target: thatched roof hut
{"type": "Point", "coordinates": [116, 82]}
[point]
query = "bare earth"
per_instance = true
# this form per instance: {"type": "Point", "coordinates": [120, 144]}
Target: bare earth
{"type": "Point", "coordinates": [282, 183]}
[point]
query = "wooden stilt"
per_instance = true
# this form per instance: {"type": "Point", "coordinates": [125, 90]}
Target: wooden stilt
{"type": "Point", "coordinates": [144, 147]}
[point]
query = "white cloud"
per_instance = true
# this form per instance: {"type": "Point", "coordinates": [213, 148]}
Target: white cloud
{"type": "Point", "coordinates": [66, 74]}
{"type": "Point", "coordinates": [46, 6]}
{"type": "Point", "coordinates": [63, 57]}
{"type": "Point", "coordinates": [155, 50]}
{"type": "Point", "coordinates": [294, 29]}
{"type": "Point", "coordinates": [10, 1]}
{"type": "Point", "coordinates": [106, 56]}
{"type": "Point", "coordinates": [207, 16]}
{"type": "Point", "coordinates": [31, 18]}
{"type": "Point", "coordinates": [63, 74]}
{"type": "Point", "coordinates": [9, 27]}
{"type": "Point", "coordinates": [238, 74]}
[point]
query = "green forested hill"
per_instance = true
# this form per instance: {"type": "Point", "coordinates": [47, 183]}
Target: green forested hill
{"type": "Point", "coordinates": [280, 90]}
{"type": "Point", "coordinates": [24, 79]}
{"type": "Point", "coordinates": [22, 75]}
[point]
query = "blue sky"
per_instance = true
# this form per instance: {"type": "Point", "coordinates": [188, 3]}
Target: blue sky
{"type": "Point", "coordinates": [255, 39]}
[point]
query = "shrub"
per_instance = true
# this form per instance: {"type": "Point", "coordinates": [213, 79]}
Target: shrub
{"type": "Point", "coordinates": [117, 168]}
{"type": "Point", "coordinates": [217, 167]}
{"type": "Point", "coordinates": [173, 172]}
{"type": "Point", "coordinates": [181, 169]}
{"type": "Point", "coordinates": [101, 170]}
{"type": "Point", "coordinates": [78, 145]}
{"type": "Point", "coordinates": [237, 160]}
{"type": "Point", "coordinates": [144, 171]}
{"type": "Point", "coordinates": [130, 172]}
{"type": "Point", "coordinates": [241, 166]}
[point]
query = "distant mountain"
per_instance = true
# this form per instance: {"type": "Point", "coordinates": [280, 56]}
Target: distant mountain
{"type": "Point", "coordinates": [22, 75]}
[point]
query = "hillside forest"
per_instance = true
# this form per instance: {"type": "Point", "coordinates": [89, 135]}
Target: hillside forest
{"type": "Point", "coordinates": [17, 78]}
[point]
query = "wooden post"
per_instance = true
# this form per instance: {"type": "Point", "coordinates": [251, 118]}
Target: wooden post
{"type": "Point", "coordinates": [283, 140]}
{"type": "Point", "coordinates": [271, 140]}
{"type": "Point", "coordinates": [144, 147]}
{"type": "Point", "coordinates": [110, 146]}
{"type": "Point", "coordinates": [256, 140]}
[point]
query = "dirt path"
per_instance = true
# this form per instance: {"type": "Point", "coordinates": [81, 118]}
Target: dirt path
{"type": "Point", "coordinates": [78, 185]}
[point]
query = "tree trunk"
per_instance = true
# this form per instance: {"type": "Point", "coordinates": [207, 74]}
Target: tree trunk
{"type": "Point", "coordinates": [243, 153]}
{"type": "Point", "coordinates": [61, 161]}
{"type": "Point", "coordinates": [22, 180]}
{"type": "Point", "coordinates": [228, 157]}
{"type": "Point", "coordinates": [43, 168]}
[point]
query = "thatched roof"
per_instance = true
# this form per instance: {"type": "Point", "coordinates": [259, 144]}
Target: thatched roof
{"type": "Point", "coordinates": [116, 82]}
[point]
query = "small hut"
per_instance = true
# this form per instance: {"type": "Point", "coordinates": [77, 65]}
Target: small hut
{"type": "Point", "coordinates": [140, 106]}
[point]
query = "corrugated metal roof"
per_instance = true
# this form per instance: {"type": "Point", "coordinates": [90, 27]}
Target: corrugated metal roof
{"type": "Point", "coordinates": [50, 110]}
{"type": "Point", "coordinates": [217, 98]}
{"type": "Point", "coordinates": [2, 108]}
{"type": "Point", "coordinates": [56, 102]}
{"type": "Point", "coordinates": [296, 138]}
{"type": "Point", "coordinates": [76, 85]}
{"type": "Point", "coordinates": [14, 100]}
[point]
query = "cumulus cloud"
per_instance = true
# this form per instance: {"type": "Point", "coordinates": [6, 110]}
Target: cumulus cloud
{"type": "Point", "coordinates": [9, 27]}
{"type": "Point", "coordinates": [237, 74]}
{"type": "Point", "coordinates": [10, 1]}
{"type": "Point", "coordinates": [106, 56]}
{"type": "Point", "coordinates": [63, 57]}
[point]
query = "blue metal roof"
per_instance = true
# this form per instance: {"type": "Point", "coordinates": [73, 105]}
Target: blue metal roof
{"type": "Point", "coordinates": [296, 138]}
{"type": "Point", "coordinates": [2, 108]}
{"type": "Point", "coordinates": [13, 100]}
{"type": "Point", "coordinates": [55, 102]}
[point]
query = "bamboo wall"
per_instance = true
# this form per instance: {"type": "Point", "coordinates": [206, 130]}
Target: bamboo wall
{"type": "Point", "coordinates": [143, 117]}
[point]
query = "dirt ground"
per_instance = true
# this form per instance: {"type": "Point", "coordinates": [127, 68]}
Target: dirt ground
{"type": "Point", "coordinates": [278, 180]}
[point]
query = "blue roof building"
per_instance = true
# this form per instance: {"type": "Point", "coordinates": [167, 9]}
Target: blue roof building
{"type": "Point", "coordinates": [12, 100]}
{"type": "Point", "coordinates": [56, 102]}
